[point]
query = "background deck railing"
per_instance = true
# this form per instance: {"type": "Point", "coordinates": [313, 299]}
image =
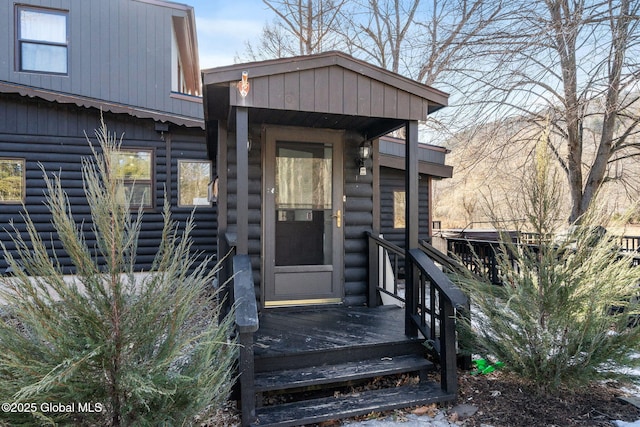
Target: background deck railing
{"type": "Point", "coordinates": [432, 302]}
{"type": "Point", "coordinates": [479, 256]}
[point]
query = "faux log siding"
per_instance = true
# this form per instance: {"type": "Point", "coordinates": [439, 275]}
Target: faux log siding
{"type": "Point", "coordinates": [189, 144]}
{"type": "Point", "coordinates": [392, 180]}
{"type": "Point", "coordinates": [358, 219]}
{"type": "Point", "coordinates": [255, 202]}
{"type": "Point", "coordinates": [322, 90]}
{"type": "Point", "coordinates": [53, 135]}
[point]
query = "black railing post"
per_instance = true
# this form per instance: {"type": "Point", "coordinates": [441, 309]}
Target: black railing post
{"type": "Point", "coordinates": [374, 273]}
{"type": "Point", "coordinates": [448, 357]}
{"type": "Point", "coordinates": [246, 325]}
{"type": "Point", "coordinates": [247, 379]}
{"type": "Point", "coordinates": [410, 288]}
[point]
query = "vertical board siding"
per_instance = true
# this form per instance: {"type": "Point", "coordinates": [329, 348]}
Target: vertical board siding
{"type": "Point", "coordinates": [392, 180]}
{"type": "Point", "coordinates": [332, 90]}
{"type": "Point", "coordinates": [118, 51]}
{"type": "Point", "coordinates": [320, 93]}
{"type": "Point", "coordinates": [292, 91]}
{"type": "Point", "coordinates": [54, 135]}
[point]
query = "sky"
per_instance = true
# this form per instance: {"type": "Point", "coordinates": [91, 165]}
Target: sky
{"type": "Point", "coordinates": [223, 27]}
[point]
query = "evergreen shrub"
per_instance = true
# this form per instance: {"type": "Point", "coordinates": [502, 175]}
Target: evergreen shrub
{"type": "Point", "coordinates": [565, 311]}
{"type": "Point", "coordinates": [131, 350]}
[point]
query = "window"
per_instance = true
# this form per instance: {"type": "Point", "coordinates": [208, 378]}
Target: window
{"type": "Point", "coordinates": [194, 177]}
{"type": "Point", "coordinates": [42, 40]}
{"type": "Point", "coordinates": [135, 168]}
{"type": "Point", "coordinates": [12, 180]}
{"type": "Point", "coordinates": [398, 209]}
{"type": "Point", "coordinates": [185, 74]}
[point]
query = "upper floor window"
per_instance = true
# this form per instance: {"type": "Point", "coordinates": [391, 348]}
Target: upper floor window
{"type": "Point", "coordinates": [12, 180]}
{"type": "Point", "coordinates": [135, 169]}
{"type": "Point", "coordinates": [42, 40]}
{"type": "Point", "coordinates": [185, 71]}
{"type": "Point", "coordinates": [194, 177]}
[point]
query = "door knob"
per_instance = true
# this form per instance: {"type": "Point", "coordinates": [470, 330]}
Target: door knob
{"type": "Point", "coordinates": [338, 217]}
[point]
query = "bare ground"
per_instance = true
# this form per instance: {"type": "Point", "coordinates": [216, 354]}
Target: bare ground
{"type": "Point", "coordinates": [504, 400]}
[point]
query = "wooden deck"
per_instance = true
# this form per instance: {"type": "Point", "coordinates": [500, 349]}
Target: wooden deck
{"type": "Point", "coordinates": [306, 330]}
{"type": "Point", "coordinates": [312, 348]}
{"type": "Point", "coordinates": [298, 366]}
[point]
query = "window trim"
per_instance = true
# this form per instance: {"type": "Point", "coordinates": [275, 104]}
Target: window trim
{"type": "Point", "coordinates": [19, 40]}
{"type": "Point", "coordinates": [23, 189]}
{"type": "Point", "coordinates": [180, 161]}
{"type": "Point", "coordinates": [151, 181]}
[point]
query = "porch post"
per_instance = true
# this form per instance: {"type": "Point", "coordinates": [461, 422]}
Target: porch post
{"type": "Point", "coordinates": [242, 156]}
{"type": "Point", "coordinates": [411, 223]}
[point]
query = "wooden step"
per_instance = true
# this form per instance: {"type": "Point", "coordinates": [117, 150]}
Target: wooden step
{"type": "Point", "coordinates": [335, 408]}
{"type": "Point", "coordinates": [352, 353]}
{"type": "Point", "coordinates": [341, 372]}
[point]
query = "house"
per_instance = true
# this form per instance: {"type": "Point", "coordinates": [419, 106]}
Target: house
{"type": "Point", "coordinates": [304, 174]}
{"type": "Point", "coordinates": [62, 65]}
{"type": "Point", "coordinates": [390, 187]}
{"type": "Point", "coordinates": [300, 155]}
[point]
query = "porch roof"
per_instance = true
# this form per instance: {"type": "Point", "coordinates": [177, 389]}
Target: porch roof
{"type": "Point", "coordinates": [328, 90]}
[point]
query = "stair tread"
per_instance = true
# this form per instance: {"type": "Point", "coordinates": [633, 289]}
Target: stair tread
{"type": "Point", "coordinates": [339, 372]}
{"type": "Point", "coordinates": [332, 408]}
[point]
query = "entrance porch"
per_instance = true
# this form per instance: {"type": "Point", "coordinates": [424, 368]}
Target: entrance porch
{"type": "Point", "coordinates": [297, 149]}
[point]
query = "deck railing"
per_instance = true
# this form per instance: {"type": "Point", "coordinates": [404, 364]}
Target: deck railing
{"type": "Point", "coordinates": [386, 271]}
{"type": "Point", "coordinates": [432, 303]}
{"type": "Point", "coordinates": [479, 256]}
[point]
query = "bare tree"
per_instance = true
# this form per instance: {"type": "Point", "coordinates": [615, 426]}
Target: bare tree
{"type": "Point", "coordinates": [378, 31]}
{"type": "Point", "coordinates": [449, 33]}
{"type": "Point", "coordinates": [275, 42]}
{"type": "Point", "coordinates": [312, 23]}
{"type": "Point", "coordinates": [571, 63]}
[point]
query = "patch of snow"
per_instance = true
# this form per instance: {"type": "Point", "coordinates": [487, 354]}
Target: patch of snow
{"type": "Point", "coordinates": [627, 424]}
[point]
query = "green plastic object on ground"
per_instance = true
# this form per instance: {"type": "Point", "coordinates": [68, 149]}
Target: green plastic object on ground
{"type": "Point", "coordinates": [484, 367]}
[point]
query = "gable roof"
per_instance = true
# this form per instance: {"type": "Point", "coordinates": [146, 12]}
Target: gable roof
{"type": "Point", "coordinates": [331, 84]}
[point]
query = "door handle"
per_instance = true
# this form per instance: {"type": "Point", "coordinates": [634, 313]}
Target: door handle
{"type": "Point", "coordinates": [338, 217]}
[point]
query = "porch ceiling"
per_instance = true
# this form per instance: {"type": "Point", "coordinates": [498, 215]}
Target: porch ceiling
{"type": "Point", "coordinates": [370, 126]}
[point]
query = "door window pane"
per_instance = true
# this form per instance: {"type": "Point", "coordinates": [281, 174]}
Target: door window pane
{"type": "Point", "coordinates": [304, 222]}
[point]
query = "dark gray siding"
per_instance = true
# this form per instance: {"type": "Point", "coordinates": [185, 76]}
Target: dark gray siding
{"type": "Point", "coordinates": [255, 201]}
{"type": "Point", "coordinates": [333, 90]}
{"type": "Point", "coordinates": [393, 180]}
{"type": "Point", "coordinates": [119, 51]}
{"type": "Point", "coordinates": [358, 219]}
{"type": "Point", "coordinates": [357, 216]}
{"type": "Point", "coordinates": [53, 135]}
{"type": "Point", "coordinates": [426, 153]}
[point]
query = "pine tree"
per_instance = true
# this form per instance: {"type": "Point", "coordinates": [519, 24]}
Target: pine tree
{"type": "Point", "coordinates": [146, 351]}
{"type": "Point", "coordinates": [566, 309]}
